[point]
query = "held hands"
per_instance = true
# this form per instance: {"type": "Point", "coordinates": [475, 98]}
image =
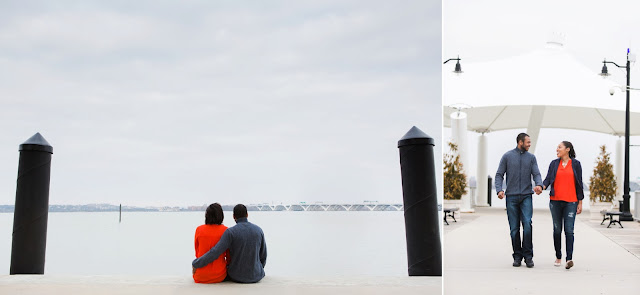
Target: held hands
{"type": "Point", "coordinates": [193, 270]}
{"type": "Point", "coordinates": [537, 189]}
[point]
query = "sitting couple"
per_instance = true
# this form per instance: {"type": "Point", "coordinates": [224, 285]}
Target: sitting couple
{"type": "Point", "coordinates": [564, 178]}
{"type": "Point", "coordinates": [237, 254]}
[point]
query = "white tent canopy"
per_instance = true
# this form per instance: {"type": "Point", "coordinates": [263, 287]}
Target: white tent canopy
{"type": "Point", "coordinates": [495, 118]}
{"type": "Point", "coordinates": [547, 88]}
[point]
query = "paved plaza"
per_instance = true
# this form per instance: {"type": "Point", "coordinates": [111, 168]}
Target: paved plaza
{"type": "Point", "coordinates": [477, 257]}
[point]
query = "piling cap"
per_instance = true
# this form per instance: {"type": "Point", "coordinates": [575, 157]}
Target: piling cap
{"type": "Point", "coordinates": [415, 136]}
{"type": "Point", "coordinates": [36, 143]}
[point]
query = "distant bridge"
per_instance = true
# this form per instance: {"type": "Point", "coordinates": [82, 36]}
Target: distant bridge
{"type": "Point", "coordinates": [327, 207]}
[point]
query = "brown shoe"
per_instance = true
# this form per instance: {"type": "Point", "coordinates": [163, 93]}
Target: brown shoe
{"type": "Point", "coordinates": [569, 264]}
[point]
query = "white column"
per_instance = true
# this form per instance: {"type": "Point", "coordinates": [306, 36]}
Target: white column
{"type": "Point", "coordinates": [637, 206]}
{"type": "Point", "coordinates": [535, 122]}
{"type": "Point", "coordinates": [459, 137]}
{"type": "Point", "coordinates": [619, 166]}
{"type": "Point", "coordinates": [481, 172]}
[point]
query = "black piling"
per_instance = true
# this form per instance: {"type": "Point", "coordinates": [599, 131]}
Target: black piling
{"type": "Point", "coordinates": [419, 191]}
{"type": "Point", "coordinates": [120, 217]}
{"type": "Point", "coordinates": [32, 207]}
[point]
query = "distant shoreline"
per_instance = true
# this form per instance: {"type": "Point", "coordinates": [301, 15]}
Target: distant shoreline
{"type": "Point", "coordinates": [318, 207]}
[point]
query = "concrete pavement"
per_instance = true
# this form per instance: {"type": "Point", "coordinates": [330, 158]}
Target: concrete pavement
{"type": "Point", "coordinates": [98, 285]}
{"type": "Point", "coordinates": [477, 257]}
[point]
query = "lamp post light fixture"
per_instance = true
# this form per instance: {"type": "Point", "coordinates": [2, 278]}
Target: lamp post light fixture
{"type": "Point", "coordinates": [458, 69]}
{"type": "Point", "coordinates": [626, 207]}
{"type": "Point", "coordinates": [612, 90]}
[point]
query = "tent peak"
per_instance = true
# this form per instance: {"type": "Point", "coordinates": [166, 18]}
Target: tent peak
{"type": "Point", "coordinates": [556, 40]}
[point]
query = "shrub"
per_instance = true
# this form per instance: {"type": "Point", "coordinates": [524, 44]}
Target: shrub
{"type": "Point", "coordinates": [603, 184]}
{"type": "Point", "coordinates": [455, 181]}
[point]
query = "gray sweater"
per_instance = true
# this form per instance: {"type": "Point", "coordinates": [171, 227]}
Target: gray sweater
{"type": "Point", "coordinates": [520, 166]}
{"type": "Point", "coordinates": [247, 251]}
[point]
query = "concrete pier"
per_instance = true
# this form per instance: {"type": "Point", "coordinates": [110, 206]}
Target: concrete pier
{"type": "Point", "coordinates": [140, 285]}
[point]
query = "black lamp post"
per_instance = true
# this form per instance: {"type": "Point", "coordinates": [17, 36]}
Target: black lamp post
{"type": "Point", "coordinates": [626, 206]}
{"type": "Point", "coordinates": [458, 69]}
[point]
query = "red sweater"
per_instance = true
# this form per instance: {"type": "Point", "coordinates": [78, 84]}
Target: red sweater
{"type": "Point", "coordinates": [207, 236]}
{"type": "Point", "coordinates": [564, 185]}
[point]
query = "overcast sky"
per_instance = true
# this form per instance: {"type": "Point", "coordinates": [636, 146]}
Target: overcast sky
{"type": "Point", "coordinates": [494, 29]}
{"type": "Point", "coordinates": [193, 102]}
{"type": "Point", "coordinates": [490, 30]}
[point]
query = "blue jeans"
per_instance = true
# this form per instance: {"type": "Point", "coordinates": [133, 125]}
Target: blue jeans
{"type": "Point", "coordinates": [563, 213]}
{"type": "Point", "coordinates": [520, 211]}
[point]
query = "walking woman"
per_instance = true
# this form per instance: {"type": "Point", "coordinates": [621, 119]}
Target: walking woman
{"type": "Point", "coordinates": [207, 236]}
{"type": "Point", "coordinates": [565, 179]}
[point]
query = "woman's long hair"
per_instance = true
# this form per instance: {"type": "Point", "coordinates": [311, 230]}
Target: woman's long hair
{"type": "Point", "coordinates": [572, 151]}
{"type": "Point", "coordinates": [214, 214]}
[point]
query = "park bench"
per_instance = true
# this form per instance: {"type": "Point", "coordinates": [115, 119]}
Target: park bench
{"type": "Point", "coordinates": [608, 215]}
{"type": "Point", "coordinates": [450, 212]}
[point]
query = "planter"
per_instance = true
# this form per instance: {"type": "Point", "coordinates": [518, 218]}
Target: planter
{"type": "Point", "coordinates": [453, 204]}
{"type": "Point", "coordinates": [596, 207]}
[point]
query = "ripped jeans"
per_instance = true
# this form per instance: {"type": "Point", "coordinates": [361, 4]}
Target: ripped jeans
{"type": "Point", "coordinates": [563, 213]}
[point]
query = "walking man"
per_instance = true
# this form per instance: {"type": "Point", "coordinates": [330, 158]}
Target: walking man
{"type": "Point", "coordinates": [247, 249]}
{"type": "Point", "coordinates": [520, 166]}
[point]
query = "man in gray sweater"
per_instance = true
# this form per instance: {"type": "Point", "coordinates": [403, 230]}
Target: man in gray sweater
{"type": "Point", "coordinates": [247, 250]}
{"type": "Point", "coordinates": [520, 166]}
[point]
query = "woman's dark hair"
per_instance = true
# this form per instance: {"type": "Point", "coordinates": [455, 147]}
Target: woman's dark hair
{"type": "Point", "coordinates": [572, 152]}
{"type": "Point", "coordinates": [214, 214]}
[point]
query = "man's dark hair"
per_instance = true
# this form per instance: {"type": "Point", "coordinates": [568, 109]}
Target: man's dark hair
{"type": "Point", "coordinates": [239, 211]}
{"type": "Point", "coordinates": [521, 137]}
{"type": "Point", "coordinates": [214, 214]}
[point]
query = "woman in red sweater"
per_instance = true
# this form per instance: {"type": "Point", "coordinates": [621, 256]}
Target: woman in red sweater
{"type": "Point", "coordinates": [565, 179]}
{"type": "Point", "coordinates": [207, 236]}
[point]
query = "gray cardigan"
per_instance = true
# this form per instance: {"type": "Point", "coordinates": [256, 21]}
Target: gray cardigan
{"type": "Point", "coordinates": [520, 166]}
{"type": "Point", "coordinates": [247, 251]}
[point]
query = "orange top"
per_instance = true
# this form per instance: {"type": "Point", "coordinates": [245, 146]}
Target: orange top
{"type": "Point", "coordinates": [207, 236]}
{"type": "Point", "coordinates": [564, 185]}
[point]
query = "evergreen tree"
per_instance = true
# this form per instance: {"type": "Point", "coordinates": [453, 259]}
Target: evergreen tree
{"type": "Point", "coordinates": [455, 181]}
{"type": "Point", "coordinates": [603, 184]}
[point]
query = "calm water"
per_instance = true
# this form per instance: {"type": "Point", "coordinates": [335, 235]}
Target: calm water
{"type": "Point", "coordinates": [161, 243]}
